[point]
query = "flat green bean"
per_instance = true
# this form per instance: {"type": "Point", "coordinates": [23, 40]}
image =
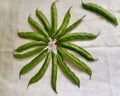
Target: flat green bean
{"type": "Point", "coordinates": [77, 36]}
{"type": "Point", "coordinates": [64, 23]}
{"type": "Point", "coordinates": [101, 11]}
{"type": "Point", "coordinates": [37, 27]}
{"type": "Point", "coordinates": [67, 71]}
{"type": "Point", "coordinates": [43, 20]}
{"type": "Point", "coordinates": [42, 71]}
{"type": "Point", "coordinates": [54, 71]}
{"type": "Point", "coordinates": [33, 36]}
{"type": "Point", "coordinates": [79, 50]}
{"type": "Point", "coordinates": [30, 45]}
{"type": "Point", "coordinates": [33, 63]}
{"type": "Point", "coordinates": [72, 26]}
{"type": "Point", "coordinates": [29, 53]}
{"type": "Point", "coordinates": [54, 18]}
{"type": "Point", "coordinates": [75, 61]}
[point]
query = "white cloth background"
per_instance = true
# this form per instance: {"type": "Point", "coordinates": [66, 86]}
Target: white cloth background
{"type": "Point", "coordinates": [106, 71]}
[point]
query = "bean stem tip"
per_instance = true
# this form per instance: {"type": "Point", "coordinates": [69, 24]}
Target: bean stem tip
{"type": "Point", "coordinates": [37, 9]}
{"type": "Point", "coordinates": [90, 76]}
{"type": "Point", "coordinates": [82, 2]}
{"type": "Point", "coordinates": [70, 8]}
{"type": "Point", "coordinates": [83, 16]}
{"type": "Point", "coordinates": [29, 15]}
{"type": "Point", "coordinates": [19, 76]}
{"type": "Point", "coordinates": [96, 59]}
{"type": "Point", "coordinates": [55, 2]}
{"type": "Point", "coordinates": [98, 33]}
{"type": "Point", "coordinates": [27, 86]}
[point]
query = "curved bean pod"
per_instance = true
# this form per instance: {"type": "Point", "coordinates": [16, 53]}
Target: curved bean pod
{"type": "Point", "coordinates": [77, 36]}
{"type": "Point", "coordinates": [79, 50]}
{"type": "Point", "coordinates": [64, 23]}
{"type": "Point", "coordinates": [29, 53]}
{"type": "Point", "coordinates": [30, 45]}
{"type": "Point", "coordinates": [37, 27]}
{"type": "Point", "coordinates": [75, 61]}
{"type": "Point", "coordinates": [72, 26]}
{"type": "Point", "coordinates": [54, 18]}
{"type": "Point", "coordinates": [33, 63]}
{"type": "Point", "coordinates": [43, 20]}
{"type": "Point", "coordinates": [54, 71]}
{"type": "Point", "coordinates": [67, 71]}
{"type": "Point", "coordinates": [103, 12]}
{"type": "Point", "coordinates": [33, 36]}
{"type": "Point", "coordinates": [42, 71]}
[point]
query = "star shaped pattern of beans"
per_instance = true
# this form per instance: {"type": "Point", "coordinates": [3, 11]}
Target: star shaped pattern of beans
{"type": "Point", "coordinates": [53, 43]}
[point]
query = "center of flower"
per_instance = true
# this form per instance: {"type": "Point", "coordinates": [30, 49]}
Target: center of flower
{"type": "Point", "coordinates": [51, 45]}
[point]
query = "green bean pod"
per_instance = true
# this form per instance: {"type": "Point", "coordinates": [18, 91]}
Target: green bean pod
{"type": "Point", "coordinates": [68, 72]}
{"type": "Point", "coordinates": [72, 26]}
{"type": "Point", "coordinates": [37, 27]}
{"type": "Point", "coordinates": [101, 11]}
{"type": "Point", "coordinates": [77, 36]}
{"type": "Point", "coordinates": [33, 63]}
{"type": "Point", "coordinates": [42, 71]}
{"type": "Point", "coordinates": [75, 61]}
{"type": "Point", "coordinates": [54, 18]}
{"type": "Point", "coordinates": [54, 71]}
{"type": "Point", "coordinates": [29, 53]}
{"type": "Point", "coordinates": [33, 36]}
{"type": "Point", "coordinates": [79, 50]}
{"type": "Point", "coordinates": [64, 23]}
{"type": "Point", "coordinates": [30, 45]}
{"type": "Point", "coordinates": [43, 20]}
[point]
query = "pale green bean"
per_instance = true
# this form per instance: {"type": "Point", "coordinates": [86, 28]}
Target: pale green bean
{"type": "Point", "coordinates": [42, 71]}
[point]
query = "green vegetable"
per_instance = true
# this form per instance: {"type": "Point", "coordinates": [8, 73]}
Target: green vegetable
{"type": "Point", "coordinates": [54, 71]}
{"type": "Point", "coordinates": [103, 12]}
{"type": "Point", "coordinates": [30, 45]}
{"type": "Point", "coordinates": [64, 23]}
{"type": "Point", "coordinates": [75, 61]}
{"type": "Point", "coordinates": [37, 27]}
{"type": "Point", "coordinates": [71, 27]}
{"type": "Point", "coordinates": [77, 36]}
{"type": "Point", "coordinates": [42, 71]}
{"type": "Point", "coordinates": [54, 19]}
{"type": "Point", "coordinates": [29, 53]}
{"type": "Point", "coordinates": [78, 49]}
{"type": "Point", "coordinates": [68, 72]}
{"type": "Point", "coordinates": [33, 36]}
{"type": "Point", "coordinates": [33, 63]}
{"type": "Point", "coordinates": [43, 20]}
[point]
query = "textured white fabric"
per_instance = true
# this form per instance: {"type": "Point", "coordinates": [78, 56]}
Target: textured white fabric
{"type": "Point", "coordinates": [106, 71]}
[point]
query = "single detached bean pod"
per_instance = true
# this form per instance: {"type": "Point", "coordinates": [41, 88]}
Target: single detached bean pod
{"type": "Point", "coordinates": [33, 63]}
{"type": "Point", "coordinates": [64, 23]}
{"type": "Point", "coordinates": [33, 36]}
{"type": "Point", "coordinates": [72, 26]}
{"type": "Point", "coordinates": [103, 12]}
{"type": "Point", "coordinates": [79, 50]}
{"type": "Point", "coordinates": [43, 20]}
{"type": "Point", "coordinates": [75, 61]}
{"type": "Point", "coordinates": [68, 72]}
{"type": "Point", "coordinates": [37, 27]}
{"type": "Point", "coordinates": [54, 18]}
{"type": "Point", "coordinates": [42, 71]}
{"type": "Point", "coordinates": [30, 45]}
{"type": "Point", "coordinates": [54, 71]}
{"type": "Point", "coordinates": [29, 53]}
{"type": "Point", "coordinates": [78, 36]}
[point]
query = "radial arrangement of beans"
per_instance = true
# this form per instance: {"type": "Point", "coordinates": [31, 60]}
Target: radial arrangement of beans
{"type": "Point", "coordinates": [50, 31]}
